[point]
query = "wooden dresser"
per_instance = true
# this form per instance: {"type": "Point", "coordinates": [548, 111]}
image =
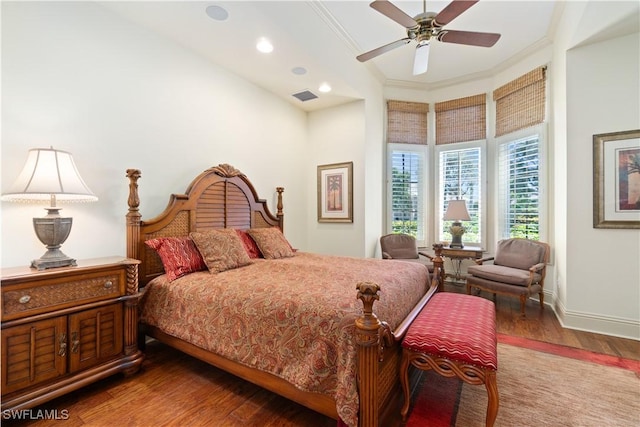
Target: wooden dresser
{"type": "Point", "coordinates": [64, 328]}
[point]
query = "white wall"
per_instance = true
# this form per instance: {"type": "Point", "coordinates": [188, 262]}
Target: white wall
{"type": "Point", "coordinates": [336, 135]}
{"type": "Point", "coordinates": [603, 265]}
{"type": "Point", "coordinates": [79, 78]}
{"type": "Point", "coordinates": [595, 90]}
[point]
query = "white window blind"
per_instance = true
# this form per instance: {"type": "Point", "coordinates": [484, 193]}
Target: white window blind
{"type": "Point", "coordinates": [407, 191]}
{"type": "Point", "coordinates": [519, 188]}
{"type": "Point", "coordinates": [459, 177]}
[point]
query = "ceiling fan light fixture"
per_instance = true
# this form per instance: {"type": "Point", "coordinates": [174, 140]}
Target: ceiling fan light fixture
{"type": "Point", "coordinates": [421, 59]}
{"type": "Point", "coordinates": [426, 26]}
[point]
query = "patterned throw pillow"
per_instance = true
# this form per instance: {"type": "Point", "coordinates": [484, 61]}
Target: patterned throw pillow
{"type": "Point", "coordinates": [249, 244]}
{"type": "Point", "coordinates": [179, 255]}
{"type": "Point", "coordinates": [221, 249]}
{"type": "Point", "coordinates": [271, 242]}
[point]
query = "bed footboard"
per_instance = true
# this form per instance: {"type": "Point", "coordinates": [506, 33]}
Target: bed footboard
{"type": "Point", "coordinates": [379, 349]}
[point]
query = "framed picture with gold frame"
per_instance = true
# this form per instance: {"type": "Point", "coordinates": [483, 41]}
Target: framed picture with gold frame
{"type": "Point", "coordinates": [616, 180]}
{"type": "Point", "coordinates": [335, 192]}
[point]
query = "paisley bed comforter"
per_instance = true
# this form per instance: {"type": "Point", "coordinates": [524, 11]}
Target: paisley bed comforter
{"type": "Point", "coordinates": [291, 317]}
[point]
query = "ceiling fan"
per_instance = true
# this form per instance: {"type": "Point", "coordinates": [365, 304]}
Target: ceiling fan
{"type": "Point", "coordinates": [426, 26]}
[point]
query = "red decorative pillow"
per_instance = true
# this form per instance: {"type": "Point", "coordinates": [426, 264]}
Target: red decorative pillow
{"type": "Point", "coordinates": [179, 255]}
{"type": "Point", "coordinates": [249, 244]}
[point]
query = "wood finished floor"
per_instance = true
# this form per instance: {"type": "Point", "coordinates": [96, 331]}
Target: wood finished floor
{"type": "Point", "coordinates": [174, 389]}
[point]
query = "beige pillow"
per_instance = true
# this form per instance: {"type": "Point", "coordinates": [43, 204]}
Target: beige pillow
{"type": "Point", "coordinates": [221, 249]}
{"type": "Point", "coordinates": [271, 242]}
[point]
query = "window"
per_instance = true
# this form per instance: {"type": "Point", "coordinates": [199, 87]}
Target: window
{"type": "Point", "coordinates": [460, 137]}
{"type": "Point", "coordinates": [519, 184]}
{"type": "Point", "coordinates": [406, 168]}
{"type": "Point", "coordinates": [460, 177]}
{"type": "Point", "coordinates": [407, 189]}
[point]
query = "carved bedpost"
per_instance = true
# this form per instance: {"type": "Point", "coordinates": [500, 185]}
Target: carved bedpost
{"type": "Point", "coordinates": [368, 341]}
{"type": "Point", "coordinates": [133, 216]}
{"type": "Point", "coordinates": [438, 266]}
{"type": "Point", "coordinates": [279, 212]}
{"type": "Point", "coordinates": [131, 309]}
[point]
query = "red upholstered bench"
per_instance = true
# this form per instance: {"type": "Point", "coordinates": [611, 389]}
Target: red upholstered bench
{"type": "Point", "coordinates": [455, 335]}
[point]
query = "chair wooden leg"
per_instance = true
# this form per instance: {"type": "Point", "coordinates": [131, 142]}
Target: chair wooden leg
{"type": "Point", "coordinates": [541, 294]}
{"type": "Point", "coordinates": [404, 383]}
{"type": "Point", "coordinates": [493, 402]}
{"type": "Point", "coordinates": [523, 301]}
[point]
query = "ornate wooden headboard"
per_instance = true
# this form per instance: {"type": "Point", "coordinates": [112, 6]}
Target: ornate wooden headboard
{"type": "Point", "coordinates": [220, 197]}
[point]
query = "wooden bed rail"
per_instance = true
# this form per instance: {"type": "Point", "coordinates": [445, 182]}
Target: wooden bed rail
{"type": "Point", "coordinates": [373, 337]}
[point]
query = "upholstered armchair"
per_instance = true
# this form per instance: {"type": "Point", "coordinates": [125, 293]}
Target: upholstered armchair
{"type": "Point", "coordinates": [518, 269]}
{"type": "Point", "coordinates": [404, 247]}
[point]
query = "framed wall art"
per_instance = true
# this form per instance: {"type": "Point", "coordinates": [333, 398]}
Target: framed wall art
{"type": "Point", "coordinates": [616, 180]}
{"type": "Point", "coordinates": [335, 192]}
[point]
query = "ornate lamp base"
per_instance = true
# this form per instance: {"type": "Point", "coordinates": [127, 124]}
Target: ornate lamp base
{"type": "Point", "coordinates": [51, 259]}
{"type": "Point", "coordinates": [456, 230]}
{"type": "Point", "coordinates": [52, 230]}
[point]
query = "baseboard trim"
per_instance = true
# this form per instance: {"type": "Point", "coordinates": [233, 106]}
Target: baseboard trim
{"type": "Point", "coordinates": [597, 323]}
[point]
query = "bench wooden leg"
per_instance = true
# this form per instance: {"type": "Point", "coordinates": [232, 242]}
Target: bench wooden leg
{"type": "Point", "coordinates": [493, 403]}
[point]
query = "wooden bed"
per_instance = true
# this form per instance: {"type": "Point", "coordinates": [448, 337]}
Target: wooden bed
{"type": "Point", "coordinates": [223, 197]}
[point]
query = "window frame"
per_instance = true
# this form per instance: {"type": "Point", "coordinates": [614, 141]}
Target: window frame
{"type": "Point", "coordinates": [543, 204]}
{"type": "Point", "coordinates": [424, 201]}
{"type": "Point", "coordinates": [439, 203]}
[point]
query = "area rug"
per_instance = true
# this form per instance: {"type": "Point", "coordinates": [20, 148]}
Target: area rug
{"type": "Point", "coordinates": [540, 384]}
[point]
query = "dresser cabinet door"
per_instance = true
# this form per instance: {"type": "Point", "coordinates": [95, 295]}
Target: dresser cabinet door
{"type": "Point", "coordinates": [33, 353]}
{"type": "Point", "coordinates": [95, 336]}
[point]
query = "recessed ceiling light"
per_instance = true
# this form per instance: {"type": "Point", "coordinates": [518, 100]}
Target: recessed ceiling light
{"type": "Point", "coordinates": [264, 45]}
{"type": "Point", "coordinates": [216, 12]}
{"type": "Point", "coordinates": [324, 87]}
{"type": "Point", "coordinates": [299, 70]}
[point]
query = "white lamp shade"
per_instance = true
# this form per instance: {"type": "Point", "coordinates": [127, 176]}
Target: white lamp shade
{"type": "Point", "coordinates": [48, 172]}
{"type": "Point", "coordinates": [457, 211]}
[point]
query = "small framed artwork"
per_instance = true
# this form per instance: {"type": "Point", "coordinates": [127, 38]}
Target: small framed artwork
{"type": "Point", "coordinates": [616, 180]}
{"type": "Point", "coordinates": [335, 192]}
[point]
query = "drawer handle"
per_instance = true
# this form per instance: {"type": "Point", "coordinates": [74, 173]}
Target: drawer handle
{"type": "Point", "coordinates": [63, 345]}
{"type": "Point", "coordinates": [24, 299]}
{"type": "Point", "coordinates": [108, 284]}
{"type": "Point", "coordinates": [75, 342]}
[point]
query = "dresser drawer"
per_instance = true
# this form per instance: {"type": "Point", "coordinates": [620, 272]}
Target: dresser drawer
{"type": "Point", "coordinates": [37, 296]}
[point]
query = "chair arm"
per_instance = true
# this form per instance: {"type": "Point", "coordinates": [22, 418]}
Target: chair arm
{"type": "Point", "coordinates": [535, 269]}
{"type": "Point", "coordinates": [482, 260]}
{"type": "Point", "coordinates": [386, 256]}
{"type": "Point", "coordinates": [538, 267]}
{"type": "Point", "coordinates": [426, 255]}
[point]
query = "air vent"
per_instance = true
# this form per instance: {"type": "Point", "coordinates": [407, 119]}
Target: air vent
{"type": "Point", "coordinates": [305, 95]}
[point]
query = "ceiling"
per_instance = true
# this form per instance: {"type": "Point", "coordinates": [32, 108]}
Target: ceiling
{"type": "Point", "coordinates": [324, 37]}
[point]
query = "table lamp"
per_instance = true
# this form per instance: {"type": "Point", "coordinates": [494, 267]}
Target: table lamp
{"type": "Point", "coordinates": [50, 176]}
{"type": "Point", "coordinates": [456, 212]}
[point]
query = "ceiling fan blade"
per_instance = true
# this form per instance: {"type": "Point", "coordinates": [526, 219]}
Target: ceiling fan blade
{"type": "Point", "coordinates": [468, 37]}
{"type": "Point", "coordinates": [382, 49]}
{"type": "Point", "coordinates": [392, 12]}
{"type": "Point", "coordinates": [452, 11]}
{"type": "Point", "coordinates": [421, 60]}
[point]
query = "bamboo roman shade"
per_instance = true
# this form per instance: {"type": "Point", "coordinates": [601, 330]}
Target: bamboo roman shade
{"type": "Point", "coordinates": [462, 119]}
{"type": "Point", "coordinates": [521, 102]}
{"type": "Point", "coordinates": [407, 122]}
